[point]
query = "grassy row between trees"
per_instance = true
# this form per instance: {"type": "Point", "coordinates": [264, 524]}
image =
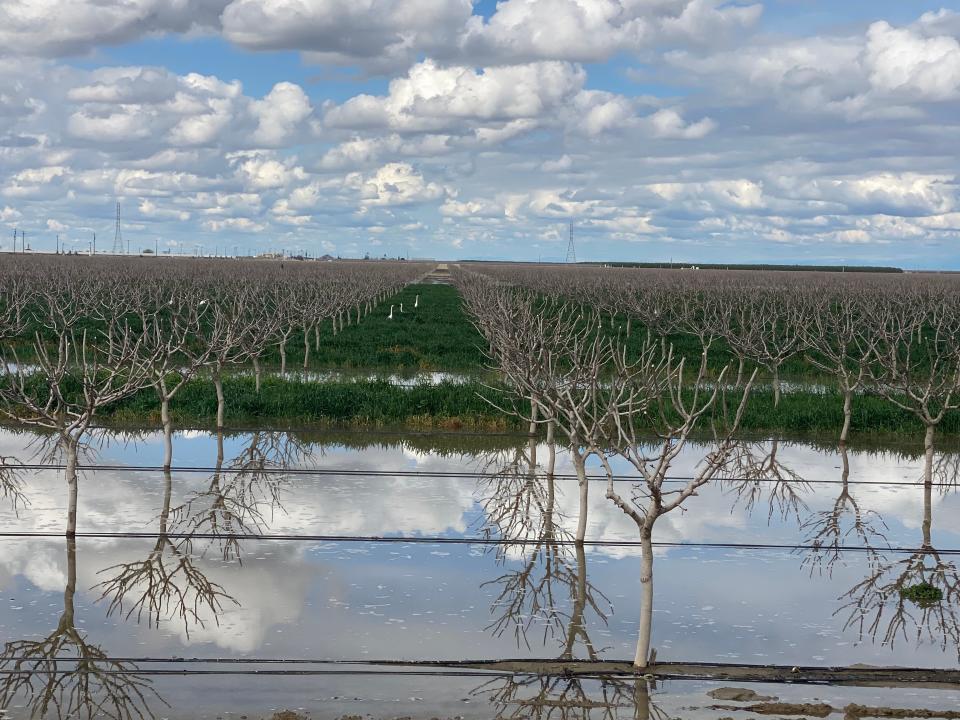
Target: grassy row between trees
{"type": "Point", "coordinates": [376, 403]}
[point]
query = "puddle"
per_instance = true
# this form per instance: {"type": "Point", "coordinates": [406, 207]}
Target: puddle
{"type": "Point", "coordinates": [267, 546]}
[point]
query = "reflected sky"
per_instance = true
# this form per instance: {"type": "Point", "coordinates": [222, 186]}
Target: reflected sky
{"type": "Point", "coordinates": [198, 585]}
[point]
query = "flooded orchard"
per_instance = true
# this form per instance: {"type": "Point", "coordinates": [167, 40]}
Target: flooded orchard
{"type": "Point", "coordinates": [334, 573]}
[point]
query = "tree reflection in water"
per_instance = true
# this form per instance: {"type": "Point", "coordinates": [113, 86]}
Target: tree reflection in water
{"type": "Point", "coordinates": [66, 676]}
{"type": "Point", "coordinates": [11, 484]}
{"type": "Point", "coordinates": [520, 508]}
{"type": "Point", "coordinates": [828, 532]}
{"type": "Point", "coordinates": [167, 583]}
{"type": "Point", "coordinates": [915, 596]}
{"type": "Point", "coordinates": [243, 500]}
{"type": "Point", "coordinates": [757, 474]}
{"type": "Point", "coordinates": [562, 697]}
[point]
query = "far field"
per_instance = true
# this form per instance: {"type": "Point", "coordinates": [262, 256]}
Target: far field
{"type": "Point", "coordinates": [372, 374]}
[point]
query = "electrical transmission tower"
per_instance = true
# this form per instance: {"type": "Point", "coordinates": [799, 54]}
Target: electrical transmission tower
{"type": "Point", "coordinates": [117, 236]}
{"type": "Point", "coordinates": [571, 251]}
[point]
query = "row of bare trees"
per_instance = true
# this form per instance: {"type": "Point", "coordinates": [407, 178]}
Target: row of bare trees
{"type": "Point", "coordinates": [77, 335]}
{"type": "Point", "coordinates": [604, 402]}
{"type": "Point", "coordinates": [894, 335]}
{"type": "Point", "coordinates": [562, 343]}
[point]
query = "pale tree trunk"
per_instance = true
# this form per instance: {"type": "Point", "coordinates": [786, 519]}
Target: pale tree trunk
{"type": "Point", "coordinates": [72, 486]}
{"type": "Point", "coordinates": [221, 401]}
{"type": "Point", "coordinates": [847, 414]}
{"type": "Point", "coordinates": [646, 599]}
{"type": "Point", "coordinates": [167, 495]}
{"type": "Point", "coordinates": [927, 515]}
{"type": "Point", "coordinates": [167, 432]}
{"type": "Point", "coordinates": [928, 456]}
{"type": "Point", "coordinates": [580, 467]}
{"type": "Point", "coordinates": [333, 322]}
{"type": "Point", "coordinates": [629, 319]}
{"type": "Point", "coordinates": [306, 347]}
{"type": "Point", "coordinates": [257, 373]}
{"type": "Point", "coordinates": [316, 336]}
{"type": "Point", "coordinates": [776, 385]}
{"type": "Point", "coordinates": [739, 371]}
{"type": "Point", "coordinates": [283, 357]}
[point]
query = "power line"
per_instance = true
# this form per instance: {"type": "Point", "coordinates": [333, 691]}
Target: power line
{"type": "Point", "coordinates": [453, 475]}
{"type": "Point", "coordinates": [425, 540]}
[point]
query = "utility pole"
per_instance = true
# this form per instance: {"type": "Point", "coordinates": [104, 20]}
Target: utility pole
{"type": "Point", "coordinates": [94, 243]}
{"type": "Point", "coordinates": [58, 243]}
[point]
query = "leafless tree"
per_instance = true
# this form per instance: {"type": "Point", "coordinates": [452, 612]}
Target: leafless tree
{"type": "Point", "coordinates": [65, 385]}
{"type": "Point", "coordinates": [917, 358]}
{"type": "Point", "coordinates": [839, 340]}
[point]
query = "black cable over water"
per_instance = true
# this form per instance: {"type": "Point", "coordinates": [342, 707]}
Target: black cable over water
{"type": "Point", "coordinates": [467, 541]}
{"type": "Point", "coordinates": [446, 474]}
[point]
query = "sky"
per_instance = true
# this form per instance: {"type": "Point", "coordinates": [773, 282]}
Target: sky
{"type": "Point", "coordinates": [702, 131]}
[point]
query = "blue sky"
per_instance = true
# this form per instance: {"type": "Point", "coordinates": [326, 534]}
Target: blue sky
{"type": "Point", "coordinates": [692, 130]}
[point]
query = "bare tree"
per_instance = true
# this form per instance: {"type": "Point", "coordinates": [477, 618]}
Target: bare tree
{"type": "Point", "coordinates": [840, 342]}
{"type": "Point", "coordinates": [917, 358]}
{"type": "Point", "coordinates": [67, 384]}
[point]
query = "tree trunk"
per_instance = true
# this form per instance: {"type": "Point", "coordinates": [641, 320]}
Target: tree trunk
{"type": "Point", "coordinates": [283, 357]}
{"type": "Point", "coordinates": [776, 385]}
{"type": "Point", "coordinates": [646, 599]}
{"type": "Point", "coordinates": [167, 432]}
{"type": "Point", "coordinates": [641, 700]}
{"type": "Point", "coordinates": [72, 487]}
{"type": "Point", "coordinates": [578, 464]}
{"type": "Point", "coordinates": [316, 336]}
{"type": "Point", "coordinates": [306, 347]}
{"type": "Point", "coordinates": [847, 413]}
{"type": "Point", "coordinates": [739, 371]}
{"type": "Point", "coordinates": [629, 319]}
{"type": "Point", "coordinates": [551, 451]}
{"type": "Point", "coordinates": [928, 456]}
{"type": "Point", "coordinates": [927, 514]}
{"type": "Point", "coordinates": [257, 373]}
{"type": "Point", "coordinates": [221, 402]}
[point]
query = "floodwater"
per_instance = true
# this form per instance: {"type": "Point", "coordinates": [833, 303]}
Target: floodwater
{"type": "Point", "coordinates": [342, 551]}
